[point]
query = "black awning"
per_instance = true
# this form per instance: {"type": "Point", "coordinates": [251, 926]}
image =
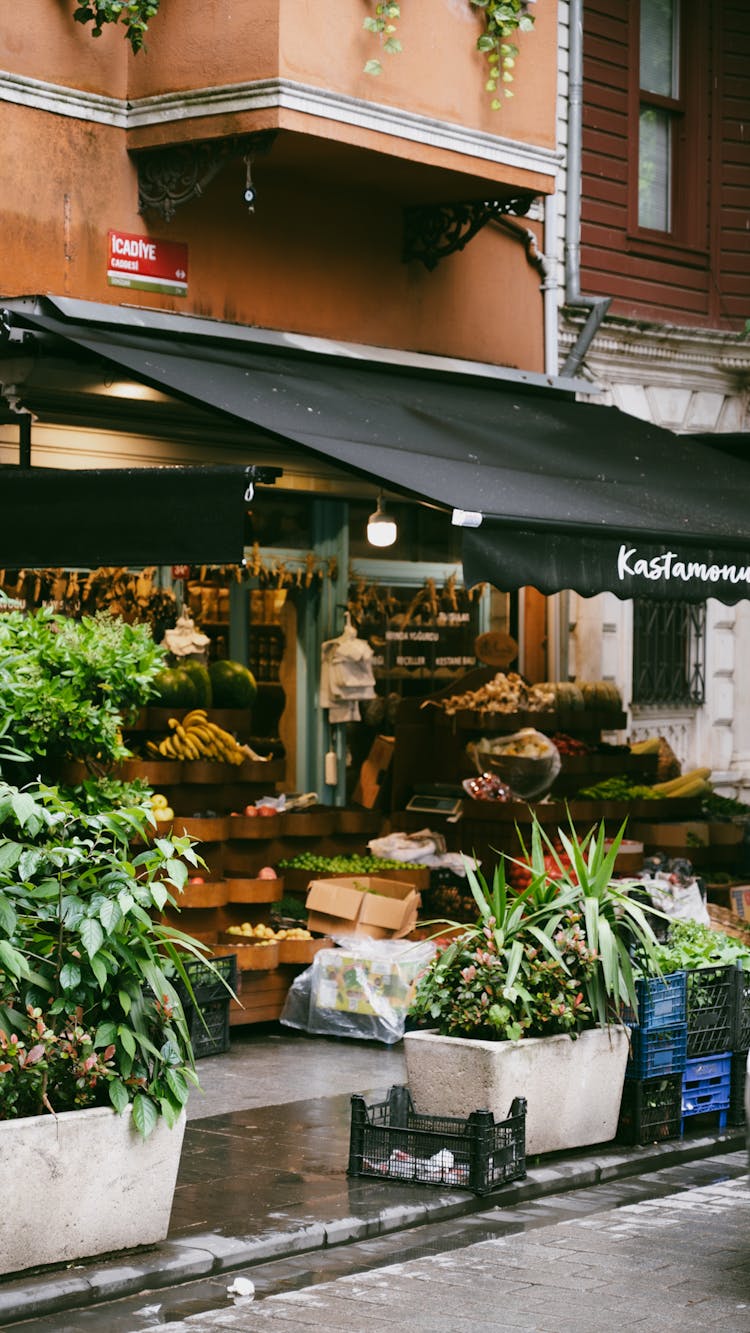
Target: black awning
{"type": "Point", "coordinates": [571, 495]}
{"type": "Point", "coordinates": [121, 516]}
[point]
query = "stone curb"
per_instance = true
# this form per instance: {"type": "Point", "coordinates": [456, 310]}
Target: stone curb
{"type": "Point", "coordinates": [205, 1255]}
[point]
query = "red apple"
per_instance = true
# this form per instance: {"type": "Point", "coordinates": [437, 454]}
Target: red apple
{"type": "Point", "coordinates": [197, 879]}
{"type": "Point", "coordinates": [266, 810]}
{"type": "Point", "coordinates": [251, 811]}
{"type": "Point", "coordinates": [267, 872]}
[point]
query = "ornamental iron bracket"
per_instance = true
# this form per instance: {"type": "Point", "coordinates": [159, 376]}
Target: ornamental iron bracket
{"type": "Point", "coordinates": [433, 231]}
{"type": "Point", "coordinates": [171, 176]}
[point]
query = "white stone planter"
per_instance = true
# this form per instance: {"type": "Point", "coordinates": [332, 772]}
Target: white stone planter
{"type": "Point", "coordinates": [573, 1088]}
{"type": "Point", "coordinates": [83, 1183]}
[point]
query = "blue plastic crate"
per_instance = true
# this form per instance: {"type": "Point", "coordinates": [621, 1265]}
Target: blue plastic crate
{"type": "Point", "coordinates": [706, 1085]}
{"type": "Point", "coordinates": [663, 1051]}
{"type": "Point", "coordinates": [662, 1002]}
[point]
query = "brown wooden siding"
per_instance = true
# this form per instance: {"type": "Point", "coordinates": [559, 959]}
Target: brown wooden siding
{"type": "Point", "coordinates": [704, 280]}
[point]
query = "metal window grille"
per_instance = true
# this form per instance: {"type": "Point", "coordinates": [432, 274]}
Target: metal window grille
{"type": "Point", "coordinates": [669, 653]}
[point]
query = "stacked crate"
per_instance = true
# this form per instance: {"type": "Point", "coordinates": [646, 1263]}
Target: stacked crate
{"type": "Point", "coordinates": [711, 1012]}
{"type": "Point", "coordinates": [651, 1109]}
{"type": "Point", "coordinates": [207, 1011]}
{"type": "Point", "coordinates": [740, 1046]}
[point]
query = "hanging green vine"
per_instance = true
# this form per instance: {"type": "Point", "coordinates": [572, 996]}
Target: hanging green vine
{"type": "Point", "coordinates": [133, 14]}
{"type": "Point", "coordinates": [502, 20]}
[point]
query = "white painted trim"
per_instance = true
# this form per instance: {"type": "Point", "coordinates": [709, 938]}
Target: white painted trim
{"type": "Point", "coordinates": [278, 94]}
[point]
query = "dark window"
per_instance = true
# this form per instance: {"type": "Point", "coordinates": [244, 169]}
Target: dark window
{"type": "Point", "coordinates": [669, 653]}
{"type": "Point", "coordinates": [670, 124]}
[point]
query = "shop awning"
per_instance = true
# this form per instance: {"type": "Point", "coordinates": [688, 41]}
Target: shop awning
{"type": "Point", "coordinates": [568, 494]}
{"type": "Point", "coordinates": [121, 516]}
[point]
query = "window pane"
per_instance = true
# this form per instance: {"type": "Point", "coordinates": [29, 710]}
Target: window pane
{"type": "Point", "coordinates": [669, 653]}
{"type": "Point", "coordinates": [654, 170]}
{"type": "Point", "coordinates": [659, 64]}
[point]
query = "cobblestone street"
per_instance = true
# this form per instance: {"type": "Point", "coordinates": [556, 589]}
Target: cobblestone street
{"type": "Point", "coordinates": [678, 1262]}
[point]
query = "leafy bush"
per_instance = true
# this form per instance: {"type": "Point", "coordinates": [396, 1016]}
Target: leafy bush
{"type": "Point", "coordinates": [691, 945]}
{"type": "Point", "coordinates": [66, 685]}
{"type": "Point", "coordinates": [88, 1012]}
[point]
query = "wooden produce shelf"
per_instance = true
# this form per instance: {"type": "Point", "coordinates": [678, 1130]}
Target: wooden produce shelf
{"type": "Point", "coordinates": [254, 890]}
{"type": "Point", "coordinates": [212, 894]}
{"type": "Point", "coordinates": [261, 996]}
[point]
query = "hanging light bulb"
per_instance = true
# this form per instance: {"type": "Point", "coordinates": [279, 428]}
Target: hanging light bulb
{"type": "Point", "coordinates": [381, 530]}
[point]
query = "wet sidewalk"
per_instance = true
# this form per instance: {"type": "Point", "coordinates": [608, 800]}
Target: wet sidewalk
{"type": "Point", "coordinates": [263, 1174]}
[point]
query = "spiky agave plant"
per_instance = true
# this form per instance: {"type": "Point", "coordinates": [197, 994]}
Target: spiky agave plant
{"type": "Point", "coordinates": [615, 925]}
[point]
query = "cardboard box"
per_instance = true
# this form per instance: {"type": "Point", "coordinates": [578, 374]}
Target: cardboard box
{"type": "Point", "coordinates": [374, 773]}
{"type": "Point", "coordinates": [685, 834]}
{"type": "Point", "coordinates": [362, 905]}
{"type": "Point", "coordinates": [740, 896]}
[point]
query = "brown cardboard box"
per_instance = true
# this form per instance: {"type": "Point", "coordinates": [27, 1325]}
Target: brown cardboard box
{"type": "Point", "coordinates": [740, 896]}
{"type": "Point", "coordinates": [362, 905]}
{"type": "Point", "coordinates": [675, 835]}
{"type": "Point", "coordinates": [374, 773]}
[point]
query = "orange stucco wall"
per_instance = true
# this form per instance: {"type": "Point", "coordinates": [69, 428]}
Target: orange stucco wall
{"type": "Point", "coordinates": [322, 254]}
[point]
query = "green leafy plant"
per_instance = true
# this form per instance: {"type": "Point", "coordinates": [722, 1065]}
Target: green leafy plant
{"type": "Point", "coordinates": [691, 945]}
{"type": "Point", "coordinates": [383, 26]}
{"type": "Point", "coordinates": [502, 20]}
{"type": "Point", "coordinates": [552, 957]}
{"type": "Point", "coordinates": [88, 1008]}
{"type": "Point", "coordinates": [67, 685]}
{"type": "Point", "coordinates": [133, 14]}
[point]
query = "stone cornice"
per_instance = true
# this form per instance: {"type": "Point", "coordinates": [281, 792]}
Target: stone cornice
{"type": "Point", "coordinates": [283, 94]}
{"type": "Point", "coordinates": [626, 350]}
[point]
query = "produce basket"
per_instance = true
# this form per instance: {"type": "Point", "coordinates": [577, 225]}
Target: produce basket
{"type": "Point", "coordinates": [207, 979]}
{"type": "Point", "coordinates": [301, 952]}
{"type": "Point", "coordinates": [527, 761]}
{"type": "Point", "coordinates": [255, 957]}
{"type": "Point", "coordinates": [390, 1141]}
{"type": "Point", "coordinates": [706, 1087]}
{"type": "Point", "coordinates": [213, 893]}
{"type": "Point", "coordinates": [209, 1027]}
{"type": "Point", "coordinates": [741, 1010]}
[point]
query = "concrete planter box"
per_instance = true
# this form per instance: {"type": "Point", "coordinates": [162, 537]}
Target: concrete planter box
{"type": "Point", "coordinates": [83, 1183]}
{"type": "Point", "coordinates": [573, 1088]}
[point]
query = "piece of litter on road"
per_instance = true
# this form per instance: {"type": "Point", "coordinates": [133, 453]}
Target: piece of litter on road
{"type": "Point", "coordinates": [242, 1286]}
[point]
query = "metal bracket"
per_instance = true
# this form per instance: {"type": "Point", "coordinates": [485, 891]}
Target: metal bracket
{"type": "Point", "coordinates": [433, 231]}
{"type": "Point", "coordinates": [171, 176]}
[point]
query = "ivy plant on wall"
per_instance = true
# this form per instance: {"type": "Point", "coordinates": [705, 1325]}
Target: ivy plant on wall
{"type": "Point", "coordinates": [502, 20]}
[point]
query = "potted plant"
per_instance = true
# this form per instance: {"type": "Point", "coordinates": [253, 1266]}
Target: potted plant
{"type": "Point", "coordinates": [95, 1054]}
{"type": "Point", "coordinates": [528, 1002]}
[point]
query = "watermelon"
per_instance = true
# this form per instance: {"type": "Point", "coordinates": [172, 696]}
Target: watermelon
{"type": "Point", "coordinates": [175, 689]}
{"type": "Point", "coordinates": [232, 684]}
{"type": "Point", "coordinates": [198, 673]}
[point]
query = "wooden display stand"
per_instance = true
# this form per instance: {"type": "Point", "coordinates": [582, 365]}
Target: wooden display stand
{"type": "Point", "coordinates": [235, 847]}
{"type": "Point", "coordinates": [431, 748]}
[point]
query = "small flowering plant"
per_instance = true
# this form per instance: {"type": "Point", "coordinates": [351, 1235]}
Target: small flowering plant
{"type": "Point", "coordinates": [551, 958]}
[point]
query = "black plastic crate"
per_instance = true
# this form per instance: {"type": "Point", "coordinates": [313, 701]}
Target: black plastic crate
{"type": "Point", "coordinates": [204, 980]}
{"type": "Point", "coordinates": [710, 1010]}
{"type": "Point", "coordinates": [655, 1054]}
{"type": "Point", "coordinates": [662, 1001]}
{"type": "Point", "coordinates": [651, 1110]}
{"type": "Point", "coordinates": [741, 1011]}
{"type": "Point", "coordinates": [391, 1141]}
{"type": "Point", "coordinates": [209, 1026]}
{"type": "Point", "coordinates": [736, 1112]}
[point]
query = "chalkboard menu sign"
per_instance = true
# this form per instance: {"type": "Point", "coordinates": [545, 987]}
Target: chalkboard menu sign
{"type": "Point", "coordinates": [426, 638]}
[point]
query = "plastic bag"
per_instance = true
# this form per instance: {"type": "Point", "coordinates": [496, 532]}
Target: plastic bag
{"type": "Point", "coordinates": [361, 989]}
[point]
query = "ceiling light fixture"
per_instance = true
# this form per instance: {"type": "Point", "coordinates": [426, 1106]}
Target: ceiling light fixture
{"type": "Point", "coordinates": [381, 530]}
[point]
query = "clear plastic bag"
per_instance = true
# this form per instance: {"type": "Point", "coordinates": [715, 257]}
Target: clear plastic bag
{"type": "Point", "coordinates": [361, 989]}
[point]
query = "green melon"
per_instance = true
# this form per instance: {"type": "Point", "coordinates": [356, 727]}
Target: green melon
{"type": "Point", "coordinates": [198, 673]}
{"type": "Point", "coordinates": [232, 684]}
{"type": "Point", "coordinates": [175, 689]}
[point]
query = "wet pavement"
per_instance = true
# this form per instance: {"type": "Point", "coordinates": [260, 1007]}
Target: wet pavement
{"type": "Point", "coordinates": [263, 1178]}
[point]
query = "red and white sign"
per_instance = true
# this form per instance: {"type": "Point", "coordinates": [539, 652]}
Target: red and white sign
{"type": "Point", "coordinates": [151, 265]}
{"type": "Point", "coordinates": [180, 571]}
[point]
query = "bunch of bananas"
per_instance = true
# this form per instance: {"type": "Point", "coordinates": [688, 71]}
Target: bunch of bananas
{"type": "Point", "coordinates": [197, 738]}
